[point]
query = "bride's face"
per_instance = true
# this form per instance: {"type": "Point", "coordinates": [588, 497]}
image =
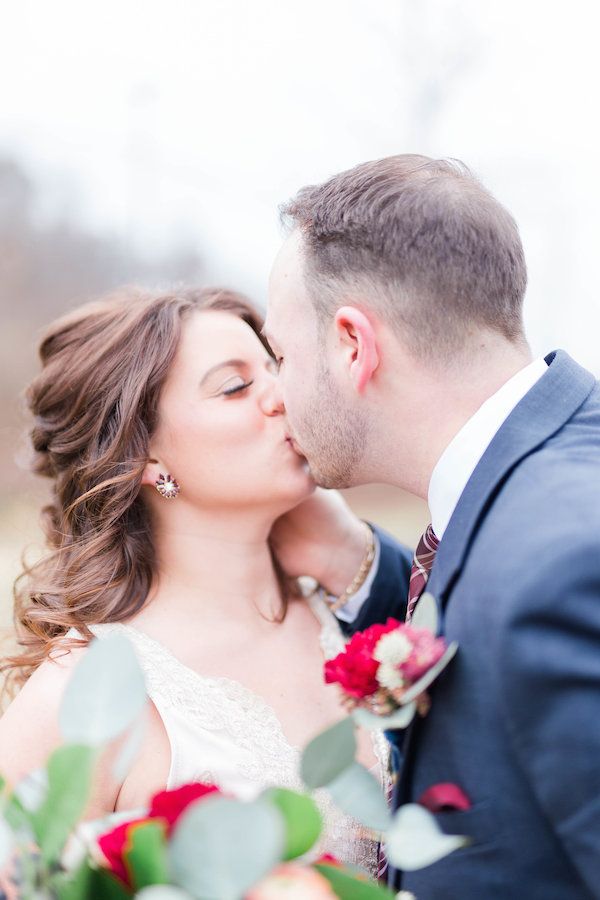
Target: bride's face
{"type": "Point", "coordinates": [221, 430]}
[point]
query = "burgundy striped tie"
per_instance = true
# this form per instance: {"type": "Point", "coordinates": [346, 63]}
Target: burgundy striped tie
{"type": "Point", "coordinates": [421, 567]}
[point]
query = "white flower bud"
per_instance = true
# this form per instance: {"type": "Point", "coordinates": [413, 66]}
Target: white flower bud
{"type": "Point", "coordinates": [393, 647]}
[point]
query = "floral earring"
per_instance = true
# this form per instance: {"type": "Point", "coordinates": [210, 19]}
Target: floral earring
{"type": "Point", "coordinates": [167, 486]}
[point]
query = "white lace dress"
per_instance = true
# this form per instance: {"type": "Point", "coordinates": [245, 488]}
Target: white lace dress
{"type": "Point", "coordinates": [223, 733]}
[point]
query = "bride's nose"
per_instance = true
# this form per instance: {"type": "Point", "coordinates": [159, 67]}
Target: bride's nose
{"type": "Point", "coordinates": [271, 398]}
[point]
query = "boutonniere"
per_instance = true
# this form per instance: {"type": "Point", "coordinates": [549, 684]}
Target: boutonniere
{"type": "Point", "coordinates": [385, 670]}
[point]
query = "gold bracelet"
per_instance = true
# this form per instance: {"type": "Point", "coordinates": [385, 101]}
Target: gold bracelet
{"type": "Point", "coordinates": [361, 576]}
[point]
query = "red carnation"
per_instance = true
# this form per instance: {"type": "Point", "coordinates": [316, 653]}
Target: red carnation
{"type": "Point", "coordinates": [355, 669]}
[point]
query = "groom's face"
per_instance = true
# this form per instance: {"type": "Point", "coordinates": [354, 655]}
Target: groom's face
{"type": "Point", "coordinates": [325, 424]}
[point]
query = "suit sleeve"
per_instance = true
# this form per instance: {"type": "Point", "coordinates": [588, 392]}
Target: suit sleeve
{"type": "Point", "coordinates": [389, 591]}
{"type": "Point", "coordinates": [548, 657]}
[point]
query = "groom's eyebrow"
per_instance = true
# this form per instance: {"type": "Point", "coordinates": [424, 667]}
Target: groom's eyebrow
{"type": "Point", "coordinates": [228, 364]}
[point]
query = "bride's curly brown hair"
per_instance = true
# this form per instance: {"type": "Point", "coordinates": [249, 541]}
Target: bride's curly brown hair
{"type": "Point", "coordinates": [95, 408]}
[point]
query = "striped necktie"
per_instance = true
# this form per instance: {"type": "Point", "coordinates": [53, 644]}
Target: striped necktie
{"type": "Point", "coordinates": [421, 567]}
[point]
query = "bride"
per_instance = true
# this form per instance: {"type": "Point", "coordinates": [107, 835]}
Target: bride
{"type": "Point", "coordinates": [158, 421]}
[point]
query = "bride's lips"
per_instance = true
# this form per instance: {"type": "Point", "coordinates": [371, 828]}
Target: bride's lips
{"type": "Point", "coordinates": [290, 440]}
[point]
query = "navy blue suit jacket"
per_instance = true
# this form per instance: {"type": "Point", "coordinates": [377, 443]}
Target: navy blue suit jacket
{"type": "Point", "coordinates": [515, 719]}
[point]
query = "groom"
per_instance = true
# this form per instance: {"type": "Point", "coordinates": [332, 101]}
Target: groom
{"type": "Point", "coordinates": [395, 311]}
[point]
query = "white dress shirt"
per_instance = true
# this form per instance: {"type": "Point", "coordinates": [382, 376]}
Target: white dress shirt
{"type": "Point", "coordinates": [460, 458]}
{"type": "Point", "coordinates": [458, 462]}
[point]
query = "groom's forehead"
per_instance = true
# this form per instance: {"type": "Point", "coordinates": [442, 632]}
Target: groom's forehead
{"type": "Point", "coordinates": [286, 286]}
{"type": "Point", "coordinates": [286, 275]}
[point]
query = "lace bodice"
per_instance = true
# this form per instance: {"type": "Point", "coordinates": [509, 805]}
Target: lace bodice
{"type": "Point", "coordinates": [224, 733]}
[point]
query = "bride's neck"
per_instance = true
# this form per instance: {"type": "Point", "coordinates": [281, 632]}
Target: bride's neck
{"type": "Point", "coordinates": [215, 565]}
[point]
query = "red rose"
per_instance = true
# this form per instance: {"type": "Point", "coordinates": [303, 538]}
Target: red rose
{"type": "Point", "coordinates": [170, 805]}
{"type": "Point", "coordinates": [355, 669]}
{"type": "Point", "coordinates": [166, 806]}
{"type": "Point", "coordinates": [114, 845]}
{"type": "Point", "coordinates": [327, 859]}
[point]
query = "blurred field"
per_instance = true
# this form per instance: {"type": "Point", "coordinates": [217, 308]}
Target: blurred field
{"type": "Point", "coordinates": [19, 532]}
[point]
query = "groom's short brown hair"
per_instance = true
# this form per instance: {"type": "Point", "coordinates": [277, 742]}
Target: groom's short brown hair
{"type": "Point", "coordinates": [422, 238]}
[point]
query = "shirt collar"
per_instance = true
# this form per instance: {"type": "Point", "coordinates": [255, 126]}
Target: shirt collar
{"type": "Point", "coordinates": [459, 460]}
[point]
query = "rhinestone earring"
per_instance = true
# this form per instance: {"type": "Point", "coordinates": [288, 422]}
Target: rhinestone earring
{"type": "Point", "coordinates": [167, 486]}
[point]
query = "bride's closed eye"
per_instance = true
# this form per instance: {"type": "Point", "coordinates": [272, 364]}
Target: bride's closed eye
{"type": "Point", "coordinates": [237, 388]}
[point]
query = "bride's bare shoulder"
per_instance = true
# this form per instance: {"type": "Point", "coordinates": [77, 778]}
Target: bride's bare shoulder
{"type": "Point", "coordinates": [29, 727]}
{"type": "Point", "coordinates": [47, 684]}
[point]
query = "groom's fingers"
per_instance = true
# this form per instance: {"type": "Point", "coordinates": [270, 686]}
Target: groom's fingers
{"type": "Point", "coordinates": [323, 538]}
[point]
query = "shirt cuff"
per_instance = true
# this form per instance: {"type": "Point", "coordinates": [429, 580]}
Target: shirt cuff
{"type": "Point", "coordinates": [349, 612]}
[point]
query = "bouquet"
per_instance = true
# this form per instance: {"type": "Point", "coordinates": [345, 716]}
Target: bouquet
{"type": "Point", "coordinates": [196, 842]}
{"type": "Point", "coordinates": [165, 846]}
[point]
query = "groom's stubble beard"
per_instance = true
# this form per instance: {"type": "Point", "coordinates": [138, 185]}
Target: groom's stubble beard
{"type": "Point", "coordinates": [333, 435]}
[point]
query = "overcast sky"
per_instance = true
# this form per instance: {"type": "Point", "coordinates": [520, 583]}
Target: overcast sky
{"type": "Point", "coordinates": [192, 120]}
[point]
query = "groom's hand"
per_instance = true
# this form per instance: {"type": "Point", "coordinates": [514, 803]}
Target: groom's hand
{"type": "Point", "coordinates": [323, 538]}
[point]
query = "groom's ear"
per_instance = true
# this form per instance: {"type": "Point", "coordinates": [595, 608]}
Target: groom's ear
{"type": "Point", "coordinates": [356, 335]}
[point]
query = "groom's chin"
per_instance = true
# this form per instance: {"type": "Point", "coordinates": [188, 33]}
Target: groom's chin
{"type": "Point", "coordinates": [330, 478]}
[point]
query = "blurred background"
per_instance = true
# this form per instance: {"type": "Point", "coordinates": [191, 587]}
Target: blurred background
{"type": "Point", "coordinates": [152, 143]}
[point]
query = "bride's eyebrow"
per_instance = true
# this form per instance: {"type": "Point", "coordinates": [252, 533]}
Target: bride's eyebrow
{"type": "Point", "coordinates": [229, 364]}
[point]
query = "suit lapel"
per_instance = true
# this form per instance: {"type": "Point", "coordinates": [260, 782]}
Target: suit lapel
{"type": "Point", "coordinates": [541, 413]}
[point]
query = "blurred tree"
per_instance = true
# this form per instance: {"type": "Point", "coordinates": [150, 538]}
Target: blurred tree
{"type": "Point", "coordinates": [47, 267]}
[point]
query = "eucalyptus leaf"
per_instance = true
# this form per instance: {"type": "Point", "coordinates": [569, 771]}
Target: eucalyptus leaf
{"type": "Point", "coordinates": [17, 816]}
{"type": "Point", "coordinates": [146, 857]}
{"type": "Point", "coordinates": [6, 841]}
{"type": "Point", "coordinates": [163, 892]}
{"type": "Point", "coordinates": [131, 747]}
{"type": "Point", "coordinates": [359, 794]}
{"type": "Point", "coordinates": [415, 840]}
{"type": "Point", "coordinates": [72, 885]}
{"type": "Point", "coordinates": [429, 677]}
{"type": "Point", "coordinates": [401, 718]}
{"type": "Point", "coordinates": [328, 754]}
{"type": "Point", "coordinates": [31, 791]}
{"type": "Point", "coordinates": [88, 881]}
{"type": "Point", "coordinates": [426, 614]}
{"type": "Point", "coordinates": [221, 847]}
{"type": "Point", "coordinates": [105, 694]}
{"type": "Point", "coordinates": [302, 818]}
{"type": "Point", "coordinates": [351, 887]}
{"type": "Point", "coordinates": [69, 783]}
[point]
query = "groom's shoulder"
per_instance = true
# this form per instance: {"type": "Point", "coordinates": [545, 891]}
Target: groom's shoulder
{"type": "Point", "coordinates": [557, 487]}
{"type": "Point", "coordinates": [545, 514]}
